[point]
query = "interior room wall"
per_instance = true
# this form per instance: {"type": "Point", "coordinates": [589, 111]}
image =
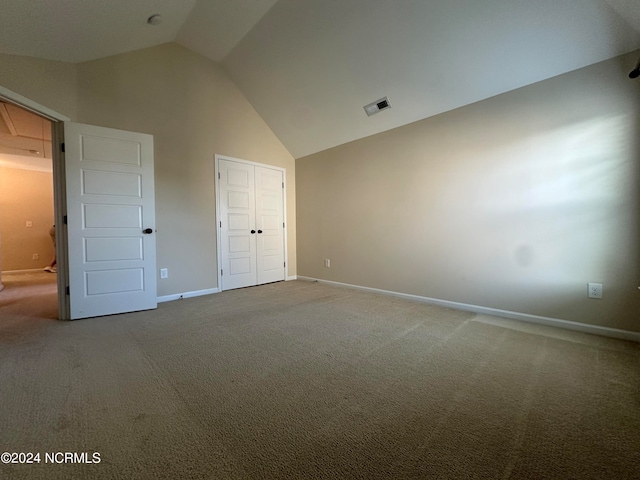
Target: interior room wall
{"type": "Point", "coordinates": [1, 284]}
{"type": "Point", "coordinates": [47, 82]}
{"type": "Point", "coordinates": [194, 111]}
{"type": "Point", "coordinates": [25, 195]}
{"type": "Point", "coordinates": [513, 203]}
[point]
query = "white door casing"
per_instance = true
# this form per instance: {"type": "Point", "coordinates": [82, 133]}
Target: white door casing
{"type": "Point", "coordinates": [250, 223]}
{"type": "Point", "coordinates": [110, 203]}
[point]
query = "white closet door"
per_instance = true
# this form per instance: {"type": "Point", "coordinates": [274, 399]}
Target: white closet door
{"type": "Point", "coordinates": [251, 224]}
{"type": "Point", "coordinates": [269, 220]}
{"type": "Point", "coordinates": [237, 224]}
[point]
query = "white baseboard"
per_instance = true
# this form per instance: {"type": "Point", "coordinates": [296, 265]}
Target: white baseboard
{"type": "Point", "coordinates": [523, 317]}
{"type": "Point", "coordinates": [178, 296]}
{"type": "Point", "coordinates": [199, 293]}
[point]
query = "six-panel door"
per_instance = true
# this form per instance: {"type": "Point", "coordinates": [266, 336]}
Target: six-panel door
{"type": "Point", "coordinates": [110, 202]}
{"type": "Point", "coordinates": [251, 224]}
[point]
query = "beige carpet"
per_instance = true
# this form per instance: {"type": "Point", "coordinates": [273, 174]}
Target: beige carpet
{"type": "Point", "coordinates": [303, 380]}
{"type": "Point", "coordinates": [29, 295]}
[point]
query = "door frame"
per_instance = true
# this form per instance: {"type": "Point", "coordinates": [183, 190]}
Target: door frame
{"type": "Point", "coordinates": [217, 158]}
{"type": "Point", "coordinates": [59, 189]}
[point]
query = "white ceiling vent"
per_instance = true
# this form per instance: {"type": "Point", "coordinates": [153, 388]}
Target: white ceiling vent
{"type": "Point", "coordinates": [377, 106]}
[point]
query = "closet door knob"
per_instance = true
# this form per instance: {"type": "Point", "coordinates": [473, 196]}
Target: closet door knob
{"type": "Point", "coordinates": [259, 231]}
{"type": "Point", "coordinates": [253, 231]}
{"type": "Point", "coordinates": [147, 231]}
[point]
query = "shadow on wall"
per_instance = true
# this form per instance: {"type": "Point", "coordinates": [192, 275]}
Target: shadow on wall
{"type": "Point", "coordinates": [563, 211]}
{"type": "Point", "coordinates": [513, 203]}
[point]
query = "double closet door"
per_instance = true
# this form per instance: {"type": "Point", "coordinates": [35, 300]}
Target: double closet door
{"type": "Point", "coordinates": [251, 224]}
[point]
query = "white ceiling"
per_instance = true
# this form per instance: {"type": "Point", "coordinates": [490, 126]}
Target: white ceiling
{"type": "Point", "coordinates": [81, 30]}
{"type": "Point", "coordinates": [309, 66]}
{"type": "Point", "coordinates": [214, 27]}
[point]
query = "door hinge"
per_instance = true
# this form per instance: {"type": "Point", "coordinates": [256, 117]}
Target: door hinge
{"type": "Point", "coordinates": [222, 273]}
{"type": "Point", "coordinates": [221, 224]}
{"type": "Point", "coordinates": [64, 219]}
{"type": "Point", "coordinates": [282, 224]}
{"type": "Point", "coordinates": [66, 290]}
{"type": "Point", "coordinates": [218, 175]}
{"type": "Point", "coordinates": [282, 184]}
{"type": "Point", "coordinates": [285, 264]}
{"type": "Point", "coordinates": [62, 147]}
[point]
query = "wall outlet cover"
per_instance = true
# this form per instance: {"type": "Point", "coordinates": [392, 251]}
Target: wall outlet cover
{"type": "Point", "coordinates": [594, 290]}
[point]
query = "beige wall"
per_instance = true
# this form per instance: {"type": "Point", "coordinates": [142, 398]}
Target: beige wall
{"type": "Point", "coordinates": [194, 111]}
{"type": "Point", "coordinates": [49, 83]}
{"type": "Point", "coordinates": [25, 195]}
{"type": "Point", "coordinates": [513, 203]}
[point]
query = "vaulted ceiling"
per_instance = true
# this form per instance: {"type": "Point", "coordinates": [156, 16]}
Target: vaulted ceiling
{"type": "Point", "coordinates": [309, 66]}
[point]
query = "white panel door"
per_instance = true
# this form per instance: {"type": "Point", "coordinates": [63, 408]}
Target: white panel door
{"type": "Point", "coordinates": [270, 223]}
{"type": "Point", "coordinates": [237, 224]}
{"type": "Point", "coordinates": [251, 208]}
{"type": "Point", "coordinates": [110, 220]}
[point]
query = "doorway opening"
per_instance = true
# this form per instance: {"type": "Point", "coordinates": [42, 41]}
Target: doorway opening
{"type": "Point", "coordinates": [117, 236]}
{"type": "Point", "coordinates": [27, 214]}
{"type": "Point", "coordinates": [57, 134]}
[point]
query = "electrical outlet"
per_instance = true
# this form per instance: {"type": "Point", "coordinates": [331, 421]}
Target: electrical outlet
{"type": "Point", "coordinates": [35, 256]}
{"type": "Point", "coordinates": [164, 273]}
{"type": "Point", "coordinates": [594, 290]}
{"type": "Point", "coordinates": [28, 224]}
{"type": "Point", "coordinates": [327, 263]}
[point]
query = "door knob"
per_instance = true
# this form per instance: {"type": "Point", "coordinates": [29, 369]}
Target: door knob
{"type": "Point", "coordinates": [147, 231]}
{"type": "Point", "coordinates": [253, 231]}
{"type": "Point", "coordinates": [259, 231]}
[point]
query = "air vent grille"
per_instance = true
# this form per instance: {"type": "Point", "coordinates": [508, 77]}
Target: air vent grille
{"type": "Point", "coordinates": [377, 106]}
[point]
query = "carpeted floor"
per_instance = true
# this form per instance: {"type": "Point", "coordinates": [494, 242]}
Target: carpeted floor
{"type": "Point", "coordinates": [302, 380]}
{"type": "Point", "coordinates": [29, 295]}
